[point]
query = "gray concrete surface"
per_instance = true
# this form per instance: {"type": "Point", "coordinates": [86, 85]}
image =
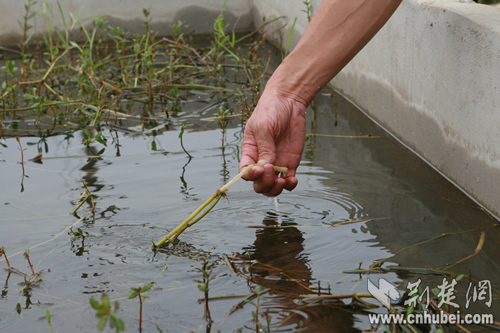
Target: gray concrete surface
{"type": "Point", "coordinates": [128, 14]}
{"type": "Point", "coordinates": [431, 77]}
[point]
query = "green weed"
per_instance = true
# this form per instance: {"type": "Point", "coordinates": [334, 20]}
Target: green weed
{"type": "Point", "coordinates": [139, 293]}
{"type": "Point", "coordinates": [105, 312]}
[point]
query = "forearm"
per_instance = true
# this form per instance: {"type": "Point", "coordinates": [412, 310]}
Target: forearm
{"type": "Point", "coordinates": [337, 32]}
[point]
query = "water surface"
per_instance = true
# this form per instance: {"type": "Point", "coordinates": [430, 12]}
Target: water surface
{"type": "Point", "coordinates": [145, 186]}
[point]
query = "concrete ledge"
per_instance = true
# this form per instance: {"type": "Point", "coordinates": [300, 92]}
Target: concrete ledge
{"type": "Point", "coordinates": [431, 77]}
{"type": "Point", "coordinates": [128, 14]}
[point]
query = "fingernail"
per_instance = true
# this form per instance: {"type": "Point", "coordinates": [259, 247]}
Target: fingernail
{"type": "Point", "coordinates": [268, 172]}
{"type": "Point", "coordinates": [262, 162]}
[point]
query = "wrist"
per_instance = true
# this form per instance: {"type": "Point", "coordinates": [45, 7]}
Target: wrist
{"type": "Point", "coordinates": [281, 88]}
{"type": "Point", "coordinates": [297, 80]}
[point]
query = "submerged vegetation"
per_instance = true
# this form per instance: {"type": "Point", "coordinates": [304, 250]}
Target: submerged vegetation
{"type": "Point", "coordinates": [108, 82]}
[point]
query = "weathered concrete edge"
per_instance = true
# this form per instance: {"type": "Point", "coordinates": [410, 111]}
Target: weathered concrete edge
{"type": "Point", "coordinates": [431, 79]}
{"type": "Point", "coordinates": [127, 14]}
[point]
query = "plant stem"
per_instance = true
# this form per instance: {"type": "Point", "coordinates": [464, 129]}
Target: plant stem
{"type": "Point", "coordinates": [220, 192]}
{"type": "Point", "coordinates": [479, 247]}
{"type": "Point", "coordinates": [22, 163]}
{"type": "Point", "coordinates": [2, 252]}
{"type": "Point", "coordinates": [140, 311]}
{"type": "Point", "coordinates": [27, 257]}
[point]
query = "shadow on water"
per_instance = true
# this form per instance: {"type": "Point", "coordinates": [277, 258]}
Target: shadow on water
{"type": "Point", "coordinates": [277, 262]}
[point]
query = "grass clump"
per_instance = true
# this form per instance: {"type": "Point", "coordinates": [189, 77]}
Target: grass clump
{"type": "Point", "coordinates": [107, 79]}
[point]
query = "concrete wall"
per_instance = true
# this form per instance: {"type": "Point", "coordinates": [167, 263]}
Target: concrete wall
{"type": "Point", "coordinates": [431, 77]}
{"type": "Point", "coordinates": [128, 14]}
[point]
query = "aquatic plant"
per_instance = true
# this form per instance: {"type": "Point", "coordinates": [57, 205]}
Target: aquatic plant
{"type": "Point", "coordinates": [257, 314]}
{"type": "Point", "coordinates": [47, 316]}
{"type": "Point", "coordinates": [105, 312]}
{"type": "Point", "coordinates": [84, 197]}
{"type": "Point", "coordinates": [181, 134]}
{"type": "Point", "coordinates": [204, 285]}
{"type": "Point", "coordinates": [139, 293]}
{"type": "Point", "coordinates": [199, 213]}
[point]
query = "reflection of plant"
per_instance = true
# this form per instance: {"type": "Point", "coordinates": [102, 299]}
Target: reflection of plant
{"type": "Point", "coordinates": [105, 313]}
{"type": "Point", "coordinates": [181, 134]}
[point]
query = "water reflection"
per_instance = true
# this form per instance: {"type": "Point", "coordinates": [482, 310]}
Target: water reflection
{"type": "Point", "coordinates": [278, 263]}
{"type": "Point", "coordinates": [386, 179]}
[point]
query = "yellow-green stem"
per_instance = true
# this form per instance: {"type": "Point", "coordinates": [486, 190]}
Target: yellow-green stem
{"type": "Point", "coordinates": [186, 224]}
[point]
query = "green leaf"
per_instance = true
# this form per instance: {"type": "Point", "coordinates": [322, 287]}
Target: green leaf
{"type": "Point", "coordinates": [102, 323]}
{"type": "Point", "coordinates": [99, 138]}
{"type": "Point", "coordinates": [146, 287]}
{"type": "Point", "coordinates": [119, 324]}
{"type": "Point", "coordinates": [87, 133]}
{"type": "Point", "coordinates": [133, 294]}
{"type": "Point", "coordinates": [258, 289]}
{"type": "Point", "coordinates": [250, 302]}
{"type": "Point", "coordinates": [105, 301]}
{"type": "Point", "coordinates": [94, 304]}
{"type": "Point", "coordinates": [10, 66]}
{"type": "Point", "coordinates": [202, 287]}
{"type": "Point", "coordinates": [47, 314]}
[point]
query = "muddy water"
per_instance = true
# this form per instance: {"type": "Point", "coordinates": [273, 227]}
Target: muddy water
{"type": "Point", "coordinates": [351, 171]}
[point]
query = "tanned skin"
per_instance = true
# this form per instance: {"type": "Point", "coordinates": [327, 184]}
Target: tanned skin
{"type": "Point", "coordinates": [275, 133]}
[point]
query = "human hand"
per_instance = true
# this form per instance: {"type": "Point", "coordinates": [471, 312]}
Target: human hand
{"type": "Point", "coordinates": [274, 135]}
